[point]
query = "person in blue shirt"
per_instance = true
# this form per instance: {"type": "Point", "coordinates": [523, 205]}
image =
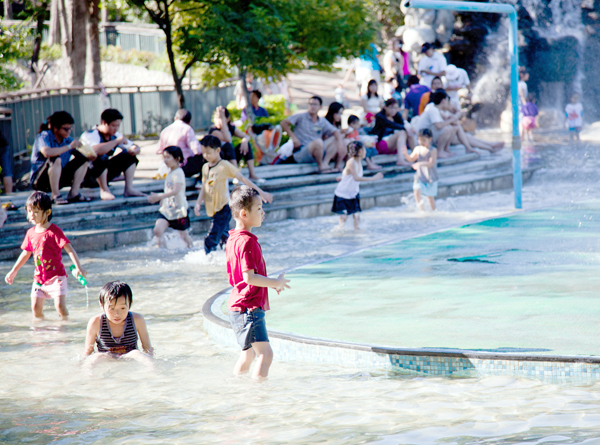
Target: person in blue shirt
{"type": "Point", "coordinates": [415, 91]}
{"type": "Point", "coordinates": [258, 111]}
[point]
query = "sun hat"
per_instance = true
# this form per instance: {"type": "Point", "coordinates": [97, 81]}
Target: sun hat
{"type": "Point", "coordinates": [452, 72]}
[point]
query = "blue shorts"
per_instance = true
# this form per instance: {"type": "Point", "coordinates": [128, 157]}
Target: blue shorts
{"type": "Point", "coordinates": [249, 327]}
{"type": "Point", "coordinates": [426, 188]}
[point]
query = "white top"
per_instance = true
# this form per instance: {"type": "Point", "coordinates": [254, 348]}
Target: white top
{"type": "Point", "coordinates": [436, 63]}
{"type": "Point", "coordinates": [522, 86]}
{"type": "Point", "coordinates": [348, 187]}
{"type": "Point", "coordinates": [460, 82]}
{"type": "Point", "coordinates": [174, 207]}
{"type": "Point", "coordinates": [374, 104]}
{"type": "Point", "coordinates": [391, 61]}
{"type": "Point", "coordinates": [92, 138]}
{"type": "Point", "coordinates": [430, 115]}
{"type": "Point", "coordinates": [574, 115]}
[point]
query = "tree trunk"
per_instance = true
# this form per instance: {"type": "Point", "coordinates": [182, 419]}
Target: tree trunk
{"type": "Point", "coordinates": [94, 74]}
{"type": "Point", "coordinates": [166, 27]}
{"type": "Point", "coordinates": [37, 45]}
{"type": "Point", "coordinates": [68, 21]}
{"type": "Point", "coordinates": [8, 14]}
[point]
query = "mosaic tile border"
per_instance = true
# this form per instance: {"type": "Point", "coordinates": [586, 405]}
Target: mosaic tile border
{"type": "Point", "coordinates": [413, 361]}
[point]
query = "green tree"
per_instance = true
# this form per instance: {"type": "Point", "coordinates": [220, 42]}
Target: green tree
{"type": "Point", "coordinates": [14, 45]}
{"type": "Point", "coordinates": [389, 16]}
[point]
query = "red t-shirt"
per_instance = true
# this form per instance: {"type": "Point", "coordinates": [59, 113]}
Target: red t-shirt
{"type": "Point", "coordinates": [47, 253]}
{"type": "Point", "coordinates": [243, 254]}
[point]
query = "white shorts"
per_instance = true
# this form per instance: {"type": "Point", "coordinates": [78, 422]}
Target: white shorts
{"type": "Point", "coordinates": [54, 289]}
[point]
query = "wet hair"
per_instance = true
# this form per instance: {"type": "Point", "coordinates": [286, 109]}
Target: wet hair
{"type": "Point", "coordinates": [369, 94]}
{"type": "Point", "coordinates": [425, 133]}
{"type": "Point", "coordinates": [60, 118]}
{"type": "Point", "coordinates": [242, 198]}
{"type": "Point", "coordinates": [257, 93]}
{"type": "Point", "coordinates": [40, 201]}
{"type": "Point", "coordinates": [183, 115]}
{"type": "Point", "coordinates": [438, 78]}
{"type": "Point", "coordinates": [334, 108]}
{"type": "Point", "coordinates": [110, 115]}
{"type": "Point", "coordinates": [354, 147]}
{"type": "Point", "coordinates": [317, 98]}
{"type": "Point", "coordinates": [391, 101]}
{"type": "Point", "coordinates": [352, 118]}
{"type": "Point", "coordinates": [438, 97]}
{"type": "Point", "coordinates": [412, 80]}
{"type": "Point", "coordinates": [175, 151]}
{"type": "Point", "coordinates": [113, 290]}
{"type": "Point", "coordinates": [211, 141]}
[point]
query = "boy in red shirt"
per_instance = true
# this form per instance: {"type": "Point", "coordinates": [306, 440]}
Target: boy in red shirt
{"type": "Point", "coordinates": [46, 241]}
{"type": "Point", "coordinates": [248, 275]}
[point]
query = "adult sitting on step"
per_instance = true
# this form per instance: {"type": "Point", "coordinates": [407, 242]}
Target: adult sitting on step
{"type": "Point", "coordinates": [307, 137]}
{"type": "Point", "coordinates": [391, 133]}
{"type": "Point", "coordinates": [181, 134]}
{"type": "Point", "coordinates": [104, 140]}
{"type": "Point", "coordinates": [51, 165]}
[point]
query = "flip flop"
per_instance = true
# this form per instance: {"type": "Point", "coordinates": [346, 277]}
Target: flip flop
{"type": "Point", "coordinates": [78, 198]}
{"type": "Point", "coordinates": [59, 200]}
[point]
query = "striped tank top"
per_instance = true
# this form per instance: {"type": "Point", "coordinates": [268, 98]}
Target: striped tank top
{"type": "Point", "coordinates": [120, 345]}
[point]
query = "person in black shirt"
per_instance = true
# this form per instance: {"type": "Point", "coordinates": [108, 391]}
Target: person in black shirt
{"type": "Point", "coordinates": [389, 129]}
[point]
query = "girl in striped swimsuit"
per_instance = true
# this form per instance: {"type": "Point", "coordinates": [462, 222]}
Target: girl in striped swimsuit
{"type": "Point", "coordinates": [117, 330]}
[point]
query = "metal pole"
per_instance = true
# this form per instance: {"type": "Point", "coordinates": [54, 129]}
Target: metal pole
{"type": "Point", "coordinates": [514, 65]}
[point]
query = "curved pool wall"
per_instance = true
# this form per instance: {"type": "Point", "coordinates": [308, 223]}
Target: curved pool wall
{"type": "Point", "coordinates": [564, 244]}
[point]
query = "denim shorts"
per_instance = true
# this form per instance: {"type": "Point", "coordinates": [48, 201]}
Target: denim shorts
{"type": "Point", "coordinates": [249, 327]}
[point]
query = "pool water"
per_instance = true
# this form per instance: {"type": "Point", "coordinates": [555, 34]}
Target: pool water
{"type": "Point", "coordinates": [190, 397]}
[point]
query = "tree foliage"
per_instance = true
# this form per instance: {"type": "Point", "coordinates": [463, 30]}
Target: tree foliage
{"type": "Point", "coordinates": [389, 16]}
{"type": "Point", "coordinates": [15, 44]}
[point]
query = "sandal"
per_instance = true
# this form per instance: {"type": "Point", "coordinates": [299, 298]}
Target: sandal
{"type": "Point", "coordinates": [78, 198]}
{"type": "Point", "coordinates": [59, 200]}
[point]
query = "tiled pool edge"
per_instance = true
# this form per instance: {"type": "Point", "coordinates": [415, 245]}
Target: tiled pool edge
{"type": "Point", "coordinates": [417, 361]}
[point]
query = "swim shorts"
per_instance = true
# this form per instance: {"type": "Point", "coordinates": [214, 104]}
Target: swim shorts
{"type": "Point", "coordinates": [249, 327]}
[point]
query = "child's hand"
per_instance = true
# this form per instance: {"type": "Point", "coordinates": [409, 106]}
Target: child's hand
{"type": "Point", "coordinates": [10, 277]}
{"type": "Point", "coordinates": [282, 283]}
{"type": "Point", "coordinates": [197, 208]}
{"type": "Point", "coordinates": [378, 176]}
{"type": "Point", "coordinates": [415, 166]}
{"type": "Point", "coordinates": [266, 197]}
{"type": "Point", "coordinates": [338, 179]}
{"type": "Point", "coordinates": [153, 198]}
{"type": "Point", "coordinates": [81, 271]}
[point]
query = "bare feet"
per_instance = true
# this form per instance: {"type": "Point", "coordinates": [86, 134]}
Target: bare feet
{"type": "Point", "coordinates": [132, 192]}
{"type": "Point", "coordinates": [105, 195]}
{"type": "Point", "coordinates": [374, 167]}
{"type": "Point", "coordinates": [329, 170]}
{"type": "Point", "coordinates": [403, 163]}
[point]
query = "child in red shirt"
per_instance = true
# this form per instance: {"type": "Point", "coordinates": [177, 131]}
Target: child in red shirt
{"type": "Point", "coordinates": [248, 275]}
{"type": "Point", "coordinates": [45, 241]}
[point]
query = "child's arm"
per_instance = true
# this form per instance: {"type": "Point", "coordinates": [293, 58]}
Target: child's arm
{"type": "Point", "coordinates": [10, 277]}
{"type": "Point", "coordinates": [265, 196]}
{"type": "Point", "coordinates": [73, 255]}
{"type": "Point", "coordinates": [140, 324]}
{"type": "Point", "coordinates": [279, 284]}
{"type": "Point", "coordinates": [160, 196]}
{"type": "Point", "coordinates": [199, 202]}
{"type": "Point", "coordinates": [354, 172]}
{"type": "Point", "coordinates": [431, 160]}
{"type": "Point", "coordinates": [93, 328]}
{"type": "Point", "coordinates": [410, 157]}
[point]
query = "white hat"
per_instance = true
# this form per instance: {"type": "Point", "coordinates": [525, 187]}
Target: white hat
{"type": "Point", "coordinates": [452, 72]}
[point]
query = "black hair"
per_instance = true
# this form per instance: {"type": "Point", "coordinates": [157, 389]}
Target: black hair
{"type": "Point", "coordinates": [391, 101]}
{"type": "Point", "coordinates": [183, 115]}
{"type": "Point", "coordinates": [257, 93]}
{"type": "Point", "coordinates": [371, 82]}
{"type": "Point", "coordinates": [438, 78]}
{"type": "Point", "coordinates": [352, 118]}
{"type": "Point", "coordinates": [41, 201]}
{"type": "Point", "coordinates": [412, 80]}
{"type": "Point", "coordinates": [211, 141]}
{"type": "Point", "coordinates": [45, 126]}
{"type": "Point", "coordinates": [317, 98]}
{"type": "Point", "coordinates": [60, 118]}
{"type": "Point", "coordinates": [175, 151]}
{"type": "Point", "coordinates": [426, 132]}
{"type": "Point", "coordinates": [226, 113]}
{"type": "Point", "coordinates": [113, 290]}
{"type": "Point", "coordinates": [241, 198]}
{"type": "Point", "coordinates": [522, 72]}
{"type": "Point", "coordinates": [438, 97]}
{"type": "Point", "coordinates": [354, 147]}
{"type": "Point", "coordinates": [334, 108]}
{"type": "Point", "coordinates": [110, 115]}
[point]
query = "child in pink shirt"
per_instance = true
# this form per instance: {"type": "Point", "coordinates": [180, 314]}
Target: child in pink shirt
{"type": "Point", "coordinates": [45, 241]}
{"type": "Point", "coordinates": [247, 272]}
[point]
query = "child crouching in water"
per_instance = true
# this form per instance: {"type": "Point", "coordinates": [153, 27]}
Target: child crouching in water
{"type": "Point", "coordinates": [346, 200]}
{"type": "Point", "coordinates": [247, 272]}
{"type": "Point", "coordinates": [116, 330]}
{"type": "Point", "coordinates": [425, 164]}
{"type": "Point", "coordinates": [173, 207]}
{"type": "Point", "coordinates": [46, 241]}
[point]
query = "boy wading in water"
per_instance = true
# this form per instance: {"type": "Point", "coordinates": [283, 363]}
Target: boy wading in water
{"type": "Point", "coordinates": [248, 275]}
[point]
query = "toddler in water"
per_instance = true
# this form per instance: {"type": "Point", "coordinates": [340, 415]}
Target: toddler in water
{"type": "Point", "coordinates": [425, 164]}
{"type": "Point", "coordinates": [173, 207]}
{"type": "Point", "coordinates": [574, 112]}
{"type": "Point", "coordinates": [529, 118]}
{"type": "Point", "coordinates": [46, 241]}
{"type": "Point", "coordinates": [247, 272]}
{"type": "Point", "coordinates": [346, 200]}
{"type": "Point", "coordinates": [117, 330]}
